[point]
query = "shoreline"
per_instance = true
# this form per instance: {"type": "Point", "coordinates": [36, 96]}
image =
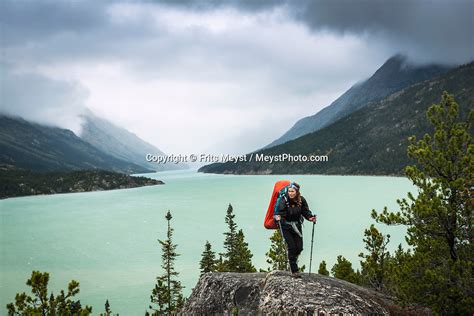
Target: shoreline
{"type": "Point", "coordinates": [91, 191]}
{"type": "Point", "coordinates": [23, 183]}
{"type": "Point", "coordinates": [306, 174]}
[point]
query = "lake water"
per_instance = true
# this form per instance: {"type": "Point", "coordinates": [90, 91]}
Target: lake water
{"type": "Point", "coordinates": [107, 241]}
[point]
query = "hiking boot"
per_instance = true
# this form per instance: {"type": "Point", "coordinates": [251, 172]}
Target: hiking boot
{"type": "Point", "coordinates": [295, 275]}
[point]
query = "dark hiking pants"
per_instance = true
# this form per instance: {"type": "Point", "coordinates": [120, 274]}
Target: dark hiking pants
{"type": "Point", "coordinates": [295, 246]}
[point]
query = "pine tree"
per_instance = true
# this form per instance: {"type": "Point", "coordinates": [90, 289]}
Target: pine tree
{"type": "Point", "coordinates": [237, 256]}
{"type": "Point", "coordinates": [439, 272]}
{"type": "Point", "coordinates": [229, 256]}
{"type": "Point", "coordinates": [375, 266]}
{"type": "Point", "coordinates": [322, 268]}
{"type": "Point", "coordinates": [167, 293]}
{"type": "Point", "coordinates": [108, 311]}
{"type": "Point", "coordinates": [39, 304]}
{"type": "Point", "coordinates": [220, 264]}
{"type": "Point", "coordinates": [301, 268]}
{"type": "Point", "coordinates": [244, 264]}
{"type": "Point", "coordinates": [160, 297]}
{"type": "Point", "coordinates": [208, 261]}
{"type": "Point", "coordinates": [107, 308]}
{"type": "Point", "coordinates": [277, 255]}
{"type": "Point", "coordinates": [343, 270]}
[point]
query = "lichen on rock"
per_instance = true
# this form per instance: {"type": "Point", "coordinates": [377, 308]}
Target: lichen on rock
{"type": "Point", "coordinates": [277, 293]}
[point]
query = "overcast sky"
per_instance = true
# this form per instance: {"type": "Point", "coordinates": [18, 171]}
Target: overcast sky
{"type": "Point", "coordinates": [210, 76]}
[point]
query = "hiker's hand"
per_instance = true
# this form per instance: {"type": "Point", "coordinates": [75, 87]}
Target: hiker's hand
{"type": "Point", "coordinates": [277, 217]}
{"type": "Point", "coordinates": [313, 219]}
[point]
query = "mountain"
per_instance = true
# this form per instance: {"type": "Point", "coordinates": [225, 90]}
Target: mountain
{"type": "Point", "coordinates": [32, 146]}
{"type": "Point", "coordinates": [394, 75]}
{"type": "Point", "coordinates": [371, 140]}
{"type": "Point", "coordinates": [120, 143]}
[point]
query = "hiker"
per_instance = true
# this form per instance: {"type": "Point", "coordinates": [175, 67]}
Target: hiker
{"type": "Point", "coordinates": [290, 213]}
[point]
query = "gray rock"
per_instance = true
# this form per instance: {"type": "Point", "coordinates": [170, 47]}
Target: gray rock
{"type": "Point", "coordinates": [277, 293]}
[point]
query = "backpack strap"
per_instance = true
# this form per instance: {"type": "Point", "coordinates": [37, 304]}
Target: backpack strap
{"type": "Point", "coordinates": [283, 193]}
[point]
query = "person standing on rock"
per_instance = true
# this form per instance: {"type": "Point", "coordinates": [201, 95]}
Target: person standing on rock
{"type": "Point", "coordinates": [290, 212]}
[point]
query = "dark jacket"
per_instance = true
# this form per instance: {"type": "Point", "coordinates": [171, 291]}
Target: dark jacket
{"type": "Point", "coordinates": [293, 212]}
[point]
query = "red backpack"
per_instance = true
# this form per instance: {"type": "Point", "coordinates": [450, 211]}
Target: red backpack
{"type": "Point", "coordinates": [278, 190]}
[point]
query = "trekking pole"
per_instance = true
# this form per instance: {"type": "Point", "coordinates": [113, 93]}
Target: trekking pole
{"type": "Point", "coordinates": [286, 246]}
{"type": "Point", "coordinates": [311, 255]}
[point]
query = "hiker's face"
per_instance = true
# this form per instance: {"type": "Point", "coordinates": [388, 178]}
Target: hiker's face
{"type": "Point", "coordinates": [291, 193]}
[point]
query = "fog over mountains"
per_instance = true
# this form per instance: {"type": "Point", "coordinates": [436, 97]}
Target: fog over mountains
{"type": "Point", "coordinates": [394, 75]}
{"type": "Point", "coordinates": [102, 145]}
{"type": "Point", "coordinates": [371, 140]}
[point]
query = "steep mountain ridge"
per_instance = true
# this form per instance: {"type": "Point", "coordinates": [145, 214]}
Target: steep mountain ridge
{"type": "Point", "coordinates": [371, 141]}
{"type": "Point", "coordinates": [32, 146]}
{"type": "Point", "coordinates": [120, 143]}
{"type": "Point", "coordinates": [394, 75]}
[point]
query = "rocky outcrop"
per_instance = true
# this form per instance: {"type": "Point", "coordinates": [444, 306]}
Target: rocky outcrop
{"type": "Point", "coordinates": [277, 293]}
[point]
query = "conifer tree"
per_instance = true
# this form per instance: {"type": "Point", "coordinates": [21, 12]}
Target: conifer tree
{"type": "Point", "coordinates": [277, 255]}
{"type": "Point", "coordinates": [343, 270]}
{"type": "Point", "coordinates": [376, 264]}
{"type": "Point", "coordinates": [107, 308]}
{"type": "Point", "coordinates": [438, 270]}
{"type": "Point", "coordinates": [108, 311]}
{"type": "Point", "coordinates": [39, 304]}
{"type": "Point", "coordinates": [229, 258]}
{"type": "Point", "coordinates": [237, 256]}
{"type": "Point", "coordinates": [244, 264]}
{"type": "Point", "coordinates": [220, 263]}
{"type": "Point", "coordinates": [208, 261]}
{"type": "Point", "coordinates": [167, 293]}
{"type": "Point", "coordinates": [322, 268]}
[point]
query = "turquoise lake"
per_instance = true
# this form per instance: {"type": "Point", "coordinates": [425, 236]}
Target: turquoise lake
{"type": "Point", "coordinates": [107, 240]}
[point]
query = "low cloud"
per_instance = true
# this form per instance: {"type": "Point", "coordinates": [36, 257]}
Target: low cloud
{"type": "Point", "coordinates": [234, 75]}
{"type": "Point", "coordinates": [39, 99]}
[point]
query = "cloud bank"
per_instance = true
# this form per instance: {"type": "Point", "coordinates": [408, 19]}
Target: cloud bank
{"type": "Point", "coordinates": [208, 76]}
